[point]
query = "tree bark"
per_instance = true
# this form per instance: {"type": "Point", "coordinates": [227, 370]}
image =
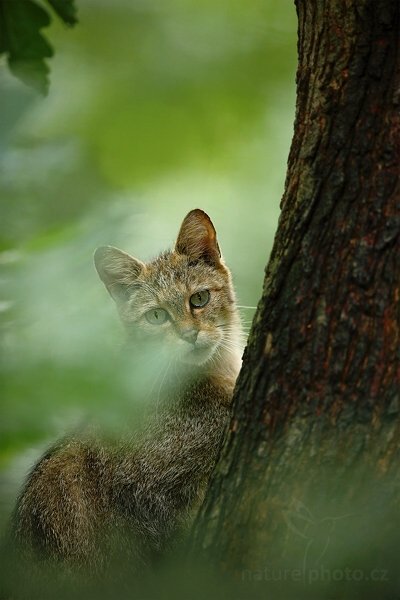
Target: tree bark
{"type": "Point", "coordinates": [309, 473]}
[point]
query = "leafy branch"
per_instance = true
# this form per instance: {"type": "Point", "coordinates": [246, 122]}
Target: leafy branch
{"type": "Point", "coordinates": [21, 40]}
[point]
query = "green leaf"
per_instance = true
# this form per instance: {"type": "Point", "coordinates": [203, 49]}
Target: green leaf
{"type": "Point", "coordinates": [21, 22]}
{"type": "Point", "coordinates": [65, 9]}
{"type": "Point", "coordinates": [33, 72]}
{"type": "Point", "coordinates": [20, 37]}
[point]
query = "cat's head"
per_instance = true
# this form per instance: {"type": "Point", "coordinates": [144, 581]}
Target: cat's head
{"type": "Point", "coordinates": [183, 300]}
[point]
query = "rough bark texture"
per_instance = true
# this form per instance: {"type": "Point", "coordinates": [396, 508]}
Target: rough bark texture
{"type": "Point", "coordinates": [309, 473]}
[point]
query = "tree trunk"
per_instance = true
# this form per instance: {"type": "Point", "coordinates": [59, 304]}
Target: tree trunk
{"type": "Point", "coordinates": [308, 477]}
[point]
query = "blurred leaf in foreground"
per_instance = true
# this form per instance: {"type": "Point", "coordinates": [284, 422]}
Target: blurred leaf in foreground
{"type": "Point", "coordinates": [20, 38]}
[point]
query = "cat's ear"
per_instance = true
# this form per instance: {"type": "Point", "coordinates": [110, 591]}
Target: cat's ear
{"type": "Point", "coordinates": [197, 238]}
{"type": "Point", "coordinates": [117, 270]}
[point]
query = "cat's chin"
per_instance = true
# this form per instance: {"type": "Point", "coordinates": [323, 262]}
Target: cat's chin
{"type": "Point", "coordinates": [198, 356]}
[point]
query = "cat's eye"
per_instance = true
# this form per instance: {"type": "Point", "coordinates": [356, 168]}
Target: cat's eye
{"type": "Point", "coordinates": [199, 299]}
{"type": "Point", "coordinates": [156, 316]}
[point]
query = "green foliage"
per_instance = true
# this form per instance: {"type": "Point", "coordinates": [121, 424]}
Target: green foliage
{"type": "Point", "coordinates": [21, 22]}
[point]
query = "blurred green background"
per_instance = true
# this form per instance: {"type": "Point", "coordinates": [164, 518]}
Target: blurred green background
{"type": "Point", "coordinates": [155, 108]}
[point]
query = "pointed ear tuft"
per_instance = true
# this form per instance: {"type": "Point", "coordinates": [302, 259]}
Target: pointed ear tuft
{"type": "Point", "coordinates": [197, 238]}
{"type": "Point", "coordinates": [117, 270]}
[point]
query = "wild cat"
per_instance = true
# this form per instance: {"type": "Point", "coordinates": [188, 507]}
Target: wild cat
{"type": "Point", "coordinates": [87, 501]}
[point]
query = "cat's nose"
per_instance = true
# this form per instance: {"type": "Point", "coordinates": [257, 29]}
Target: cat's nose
{"type": "Point", "coordinates": [189, 335]}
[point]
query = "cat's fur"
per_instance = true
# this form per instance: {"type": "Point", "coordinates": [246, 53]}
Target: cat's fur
{"type": "Point", "coordinates": [88, 502]}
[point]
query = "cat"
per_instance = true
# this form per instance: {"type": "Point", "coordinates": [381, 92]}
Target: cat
{"type": "Point", "coordinates": [88, 502]}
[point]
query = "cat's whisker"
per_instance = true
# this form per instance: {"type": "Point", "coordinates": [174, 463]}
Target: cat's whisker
{"type": "Point", "coordinates": [234, 343]}
{"type": "Point", "coordinates": [160, 375]}
{"type": "Point", "coordinates": [232, 351]}
{"type": "Point", "coordinates": [177, 369]}
{"type": "Point", "coordinates": [232, 348]}
{"type": "Point", "coordinates": [161, 385]}
{"type": "Point", "coordinates": [239, 336]}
